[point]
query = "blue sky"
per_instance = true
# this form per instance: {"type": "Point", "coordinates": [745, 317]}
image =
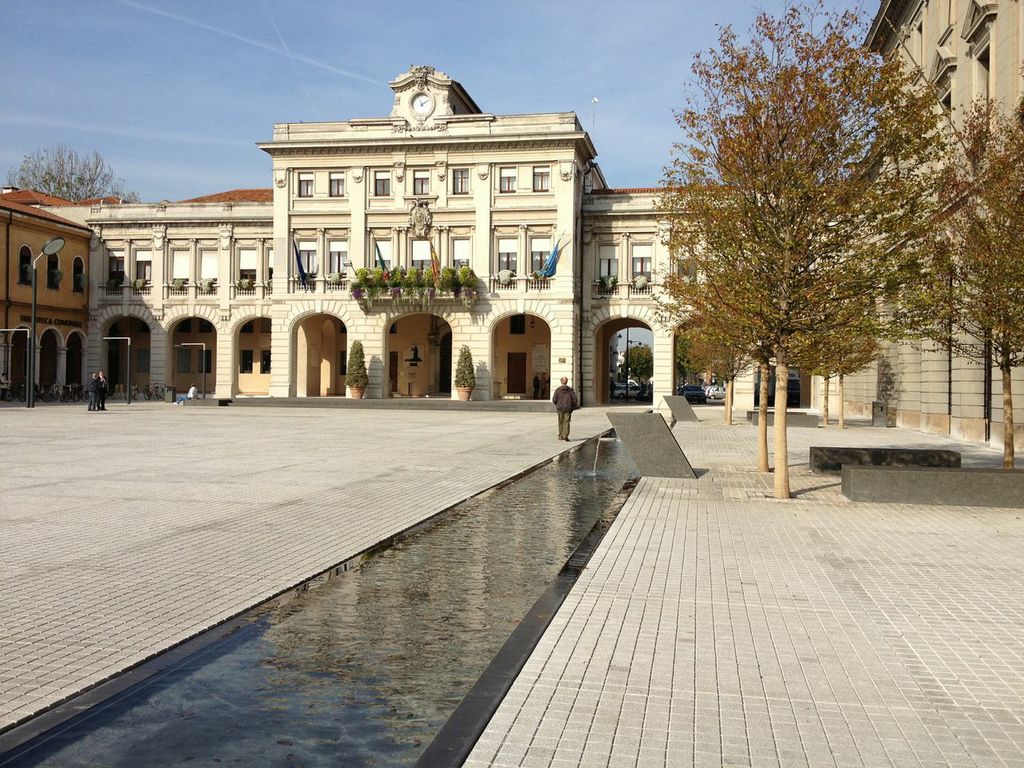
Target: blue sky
{"type": "Point", "coordinates": [176, 94]}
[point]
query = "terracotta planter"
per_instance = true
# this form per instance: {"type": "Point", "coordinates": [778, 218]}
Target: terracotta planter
{"type": "Point", "coordinates": [356, 392]}
{"type": "Point", "coordinates": [464, 392]}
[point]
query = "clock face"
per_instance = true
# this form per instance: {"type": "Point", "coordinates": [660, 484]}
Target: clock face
{"type": "Point", "coordinates": [422, 103]}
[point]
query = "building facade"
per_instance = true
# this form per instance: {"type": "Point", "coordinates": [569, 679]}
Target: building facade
{"type": "Point", "coordinates": [966, 51]}
{"type": "Point", "coordinates": [262, 289]}
{"type": "Point", "coordinates": [62, 312]}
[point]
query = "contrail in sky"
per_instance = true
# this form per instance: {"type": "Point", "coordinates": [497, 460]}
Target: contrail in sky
{"type": "Point", "coordinates": [249, 41]}
{"type": "Point", "coordinates": [288, 53]}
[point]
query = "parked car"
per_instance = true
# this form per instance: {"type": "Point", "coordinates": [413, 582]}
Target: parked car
{"type": "Point", "coordinates": [694, 394]}
{"type": "Point", "coordinates": [715, 392]}
{"type": "Point", "coordinates": [620, 390]}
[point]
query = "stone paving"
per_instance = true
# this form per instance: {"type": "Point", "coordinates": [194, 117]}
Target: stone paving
{"type": "Point", "coordinates": [124, 533]}
{"type": "Point", "coordinates": [716, 626]}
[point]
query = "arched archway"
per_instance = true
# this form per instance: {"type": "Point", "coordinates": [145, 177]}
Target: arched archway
{"type": "Point", "coordinates": [252, 344]}
{"type": "Point", "coordinates": [621, 375]}
{"type": "Point", "coordinates": [49, 349]}
{"type": "Point", "coordinates": [321, 354]}
{"type": "Point", "coordinates": [418, 349]}
{"type": "Point", "coordinates": [114, 356]}
{"type": "Point", "coordinates": [75, 362]}
{"type": "Point", "coordinates": [521, 357]}
{"type": "Point", "coordinates": [15, 362]}
{"type": "Point", "coordinates": [193, 355]}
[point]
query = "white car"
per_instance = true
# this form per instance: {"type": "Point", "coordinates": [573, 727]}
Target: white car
{"type": "Point", "coordinates": [715, 392]}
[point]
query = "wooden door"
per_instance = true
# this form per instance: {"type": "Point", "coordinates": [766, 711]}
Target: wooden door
{"type": "Point", "coordinates": [516, 373]}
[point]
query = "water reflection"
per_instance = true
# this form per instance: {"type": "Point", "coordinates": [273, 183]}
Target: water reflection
{"type": "Point", "coordinates": [365, 669]}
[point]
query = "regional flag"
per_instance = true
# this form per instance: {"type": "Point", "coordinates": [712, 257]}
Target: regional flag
{"type": "Point", "coordinates": [380, 258]}
{"type": "Point", "coordinates": [298, 264]}
{"type": "Point", "coordinates": [435, 265]}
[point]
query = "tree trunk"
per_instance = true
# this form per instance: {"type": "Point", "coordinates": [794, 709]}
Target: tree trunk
{"type": "Point", "coordinates": [842, 402]}
{"type": "Point", "coordinates": [762, 422]}
{"type": "Point", "coordinates": [824, 404]}
{"type": "Point", "coordinates": [728, 403]}
{"type": "Point", "coordinates": [1008, 459]}
{"type": "Point", "coordinates": [781, 445]}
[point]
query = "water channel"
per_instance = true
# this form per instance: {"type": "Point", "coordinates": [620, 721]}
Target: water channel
{"type": "Point", "coordinates": [366, 668]}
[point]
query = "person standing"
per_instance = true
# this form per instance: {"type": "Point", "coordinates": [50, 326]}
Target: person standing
{"type": "Point", "coordinates": [102, 392]}
{"type": "Point", "coordinates": [536, 387]}
{"type": "Point", "coordinates": [565, 402]}
{"type": "Point", "coordinates": [92, 387]}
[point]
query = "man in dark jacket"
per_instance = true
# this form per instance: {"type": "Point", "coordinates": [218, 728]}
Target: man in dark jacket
{"type": "Point", "coordinates": [565, 403]}
{"type": "Point", "coordinates": [101, 398]}
{"type": "Point", "coordinates": [92, 387]}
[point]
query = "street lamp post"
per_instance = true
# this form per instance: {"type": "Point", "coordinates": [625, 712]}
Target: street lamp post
{"type": "Point", "coordinates": [50, 248]}
{"type": "Point", "coordinates": [127, 366]}
{"type": "Point", "coordinates": [203, 361]}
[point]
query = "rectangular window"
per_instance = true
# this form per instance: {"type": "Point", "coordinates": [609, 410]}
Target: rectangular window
{"type": "Point", "coordinates": [517, 325]}
{"type": "Point", "coordinates": [421, 182]}
{"type": "Point", "coordinates": [245, 362]}
{"type": "Point", "coordinates": [307, 255]}
{"type": "Point", "coordinates": [208, 265]}
{"type": "Point", "coordinates": [142, 360]}
{"type": "Point", "coordinates": [247, 264]}
{"type": "Point", "coordinates": [642, 261]}
{"type": "Point", "coordinates": [179, 265]}
{"type": "Point", "coordinates": [542, 179]}
{"type": "Point", "coordinates": [264, 361]}
{"type": "Point", "coordinates": [337, 255]}
{"type": "Point", "coordinates": [383, 247]}
{"type": "Point", "coordinates": [207, 358]}
{"type": "Point", "coordinates": [336, 187]}
{"type": "Point", "coordinates": [508, 251]}
{"type": "Point", "coordinates": [540, 249]}
{"type": "Point", "coordinates": [507, 180]}
{"type": "Point", "coordinates": [460, 253]}
{"type": "Point", "coordinates": [421, 254]}
{"type": "Point", "coordinates": [460, 181]}
{"type": "Point", "coordinates": [184, 360]}
{"type": "Point", "coordinates": [607, 261]}
{"type": "Point", "coordinates": [305, 185]}
{"type": "Point", "coordinates": [382, 183]}
{"type": "Point", "coordinates": [144, 265]}
{"type": "Point", "coordinates": [116, 266]}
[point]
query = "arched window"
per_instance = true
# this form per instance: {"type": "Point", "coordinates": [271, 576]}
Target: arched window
{"type": "Point", "coordinates": [78, 275]}
{"type": "Point", "coordinates": [53, 273]}
{"type": "Point", "coordinates": [25, 265]}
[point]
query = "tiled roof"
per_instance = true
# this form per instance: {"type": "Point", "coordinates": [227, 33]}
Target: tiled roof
{"type": "Point", "coordinates": [28, 210]}
{"type": "Point", "coordinates": [627, 191]}
{"type": "Point", "coordinates": [261, 195]}
{"type": "Point", "coordinates": [31, 197]}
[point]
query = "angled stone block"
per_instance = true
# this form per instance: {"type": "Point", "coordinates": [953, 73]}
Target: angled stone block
{"type": "Point", "coordinates": [680, 408]}
{"type": "Point", "coordinates": [650, 442]}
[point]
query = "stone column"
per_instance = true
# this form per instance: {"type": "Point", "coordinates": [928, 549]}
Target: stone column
{"type": "Point", "coordinates": [62, 365]}
{"type": "Point", "coordinates": [624, 264]}
{"type": "Point", "coordinates": [523, 257]}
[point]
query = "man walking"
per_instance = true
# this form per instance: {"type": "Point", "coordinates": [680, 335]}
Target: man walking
{"type": "Point", "coordinates": [565, 403]}
{"type": "Point", "coordinates": [93, 388]}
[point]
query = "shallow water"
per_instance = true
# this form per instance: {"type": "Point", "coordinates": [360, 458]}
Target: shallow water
{"type": "Point", "coordinates": [366, 668]}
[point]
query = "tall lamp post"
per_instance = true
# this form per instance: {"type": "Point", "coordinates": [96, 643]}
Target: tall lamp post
{"type": "Point", "coordinates": [127, 366]}
{"type": "Point", "coordinates": [50, 248]}
{"type": "Point", "coordinates": [203, 361]}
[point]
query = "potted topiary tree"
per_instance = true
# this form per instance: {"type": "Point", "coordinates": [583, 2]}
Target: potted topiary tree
{"type": "Point", "coordinates": [357, 378]}
{"type": "Point", "coordinates": [465, 378]}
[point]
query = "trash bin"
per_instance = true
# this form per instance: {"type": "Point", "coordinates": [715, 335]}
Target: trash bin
{"type": "Point", "coordinates": [882, 415]}
{"type": "Point", "coordinates": [169, 394]}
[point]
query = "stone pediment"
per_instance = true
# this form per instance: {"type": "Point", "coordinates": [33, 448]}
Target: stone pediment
{"type": "Point", "coordinates": [974, 25]}
{"type": "Point", "coordinates": [943, 64]}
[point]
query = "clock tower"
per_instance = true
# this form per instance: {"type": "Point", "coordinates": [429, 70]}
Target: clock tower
{"type": "Point", "coordinates": [424, 98]}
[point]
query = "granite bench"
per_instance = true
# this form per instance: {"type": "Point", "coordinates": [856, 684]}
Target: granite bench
{"type": "Point", "coordinates": [793, 418]}
{"type": "Point", "coordinates": [934, 485]}
{"type": "Point", "coordinates": [829, 459]}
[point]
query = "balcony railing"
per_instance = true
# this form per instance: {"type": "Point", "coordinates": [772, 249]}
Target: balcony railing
{"type": "Point", "coordinates": [143, 289]}
{"type": "Point", "coordinates": [113, 290]}
{"type": "Point", "coordinates": [520, 284]}
{"type": "Point", "coordinates": [176, 290]}
{"type": "Point", "coordinates": [603, 289]}
{"type": "Point", "coordinates": [205, 288]}
{"type": "Point", "coordinates": [318, 284]}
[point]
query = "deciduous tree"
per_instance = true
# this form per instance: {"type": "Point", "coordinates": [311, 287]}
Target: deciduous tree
{"type": "Point", "coordinates": [806, 162]}
{"type": "Point", "coordinates": [60, 171]}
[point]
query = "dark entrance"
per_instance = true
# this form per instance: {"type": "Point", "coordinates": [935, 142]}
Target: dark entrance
{"type": "Point", "coordinates": [444, 379]}
{"type": "Point", "coordinates": [517, 373]}
{"type": "Point", "coordinates": [393, 370]}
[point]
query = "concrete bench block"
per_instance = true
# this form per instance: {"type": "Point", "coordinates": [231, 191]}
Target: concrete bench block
{"type": "Point", "coordinates": [829, 459]}
{"type": "Point", "coordinates": [793, 418]}
{"type": "Point", "coordinates": [650, 442]}
{"type": "Point", "coordinates": [680, 408]}
{"type": "Point", "coordinates": [934, 485]}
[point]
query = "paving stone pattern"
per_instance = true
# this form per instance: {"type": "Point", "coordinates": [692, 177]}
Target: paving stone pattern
{"type": "Point", "coordinates": [123, 533]}
{"type": "Point", "coordinates": [716, 626]}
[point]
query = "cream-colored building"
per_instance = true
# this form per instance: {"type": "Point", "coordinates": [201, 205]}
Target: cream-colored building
{"type": "Point", "coordinates": [216, 281]}
{"type": "Point", "coordinates": [967, 50]}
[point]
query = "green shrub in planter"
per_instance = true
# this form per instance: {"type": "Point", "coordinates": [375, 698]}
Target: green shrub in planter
{"type": "Point", "coordinates": [357, 377]}
{"type": "Point", "coordinates": [464, 374]}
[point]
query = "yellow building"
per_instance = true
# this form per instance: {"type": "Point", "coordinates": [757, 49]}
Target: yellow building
{"type": "Point", "coordinates": [62, 310]}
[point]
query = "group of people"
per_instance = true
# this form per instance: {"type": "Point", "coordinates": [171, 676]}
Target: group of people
{"type": "Point", "coordinates": [540, 386]}
{"type": "Point", "coordinates": [96, 388]}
